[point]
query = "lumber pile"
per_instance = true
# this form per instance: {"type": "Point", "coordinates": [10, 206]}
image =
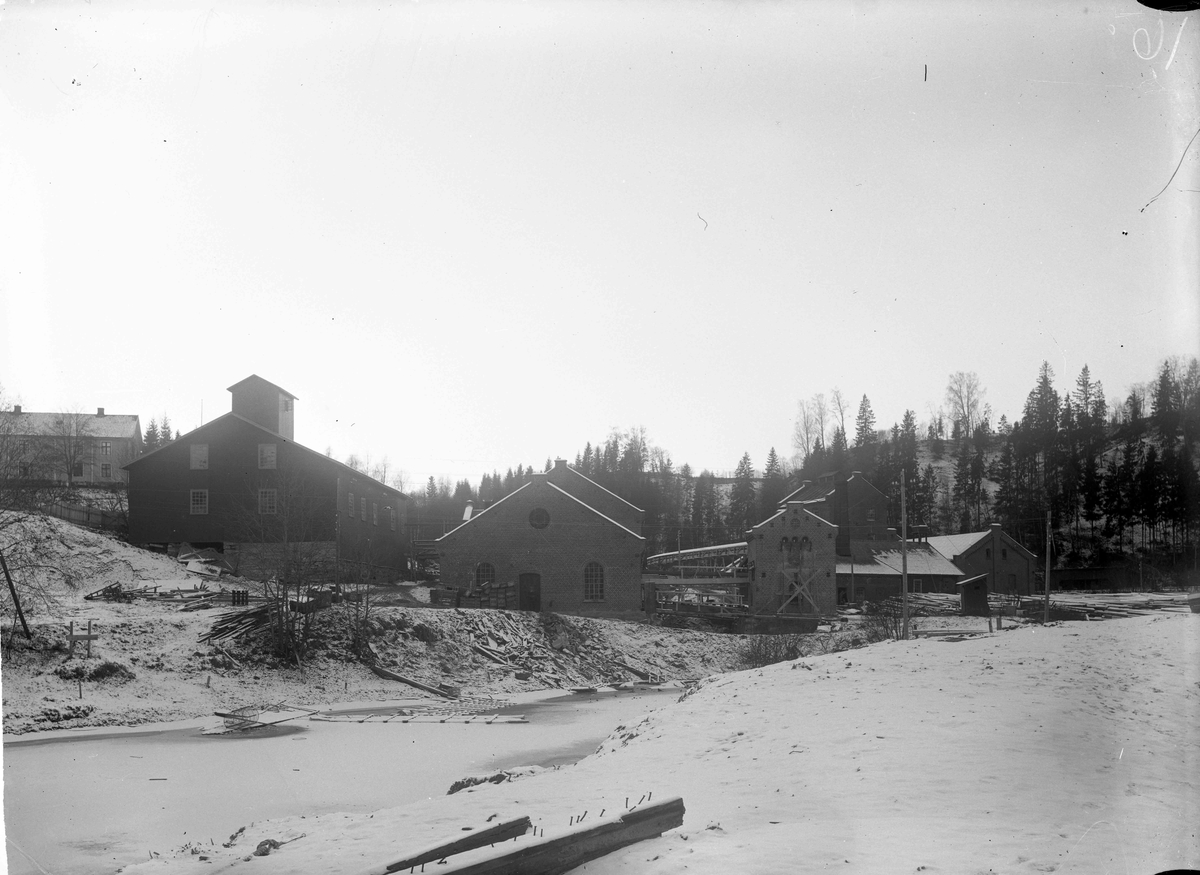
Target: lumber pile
{"type": "Point", "coordinates": [1107, 606]}
{"type": "Point", "coordinates": [234, 624]}
{"type": "Point", "coordinates": [550, 656]}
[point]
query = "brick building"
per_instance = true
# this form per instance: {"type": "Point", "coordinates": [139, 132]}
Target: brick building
{"type": "Point", "coordinates": [857, 508]}
{"type": "Point", "coordinates": [242, 485]}
{"type": "Point", "coordinates": [1008, 565]}
{"type": "Point", "coordinates": [565, 542]}
{"type": "Point", "coordinates": [75, 449]}
{"type": "Point", "coordinates": [793, 560]}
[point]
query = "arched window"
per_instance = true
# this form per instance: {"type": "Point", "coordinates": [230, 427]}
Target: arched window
{"type": "Point", "coordinates": [593, 582]}
{"type": "Point", "coordinates": [485, 574]}
{"type": "Point", "coordinates": [805, 544]}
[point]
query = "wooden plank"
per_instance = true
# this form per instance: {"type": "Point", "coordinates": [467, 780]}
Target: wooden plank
{"type": "Point", "coordinates": [500, 832]}
{"type": "Point", "coordinates": [565, 851]}
{"type": "Point", "coordinates": [393, 676]}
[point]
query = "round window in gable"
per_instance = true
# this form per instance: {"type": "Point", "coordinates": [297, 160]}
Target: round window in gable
{"type": "Point", "coordinates": [539, 518]}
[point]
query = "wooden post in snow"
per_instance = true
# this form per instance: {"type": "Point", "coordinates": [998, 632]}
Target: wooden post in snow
{"type": "Point", "coordinates": [1046, 607]}
{"type": "Point", "coordinates": [16, 601]}
{"type": "Point", "coordinates": [904, 552]}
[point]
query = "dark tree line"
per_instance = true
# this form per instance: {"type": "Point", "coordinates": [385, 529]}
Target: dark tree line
{"type": "Point", "coordinates": [1113, 479]}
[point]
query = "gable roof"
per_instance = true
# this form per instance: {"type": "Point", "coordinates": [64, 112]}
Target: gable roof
{"type": "Point", "coordinates": [329, 460]}
{"type": "Point", "coordinates": [110, 425]}
{"type": "Point", "coordinates": [256, 379]}
{"type": "Point", "coordinates": [959, 545]}
{"type": "Point", "coordinates": [810, 492]}
{"type": "Point", "coordinates": [783, 511]}
{"type": "Point", "coordinates": [483, 513]}
{"type": "Point", "coordinates": [609, 491]}
{"type": "Point", "coordinates": [955, 545]}
{"type": "Point", "coordinates": [884, 558]}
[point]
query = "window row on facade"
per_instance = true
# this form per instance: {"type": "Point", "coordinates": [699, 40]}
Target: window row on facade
{"type": "Point", "coordinates": [360, 510]}
{"type": "Point", "coordinates": [593, 579]}
{"type": "Point", "coordinates": [199, 457]}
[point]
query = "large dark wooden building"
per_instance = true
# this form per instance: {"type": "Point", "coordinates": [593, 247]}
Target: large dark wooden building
{"type": "Point", "coordinates": [1008, 565]}
{"type": "Point", "coordinates": [563, 541]}
{"type": "Point", "coordinates": [242, 485]}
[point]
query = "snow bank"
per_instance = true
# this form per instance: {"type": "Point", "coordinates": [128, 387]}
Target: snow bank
{"type": "Point", "coordinates": [1071, 747]}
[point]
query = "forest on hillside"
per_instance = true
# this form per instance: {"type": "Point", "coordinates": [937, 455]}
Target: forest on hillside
{"type": "Point", "coordinates": [1115, 479]}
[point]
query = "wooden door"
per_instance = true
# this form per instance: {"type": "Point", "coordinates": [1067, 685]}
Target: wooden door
{"type": "Point", "coordinates": [530, 591]}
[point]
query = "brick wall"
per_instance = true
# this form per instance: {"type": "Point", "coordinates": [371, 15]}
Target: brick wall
{"type": "Point", "coordinates": [775, 567]}
{"type": "Point", "coordinates": [574, 536]}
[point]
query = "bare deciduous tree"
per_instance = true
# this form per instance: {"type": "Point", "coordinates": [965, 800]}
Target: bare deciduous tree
{"type": "Point", "coordinates": [839, 405]}
{"type": "Point", "coordinates": [805, 433]}
{"type": "Point", "coordinates": [964, 397]}
{"type": "Point", "coordinates": [71, 435]}
{"type": "Point", "coordinates": [821, 414]}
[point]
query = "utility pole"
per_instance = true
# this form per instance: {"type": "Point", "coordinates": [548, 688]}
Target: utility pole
{"type": "Point", "coordinates": [904, 552]}
{"type": "Point", "coordinates": [1046, 609]}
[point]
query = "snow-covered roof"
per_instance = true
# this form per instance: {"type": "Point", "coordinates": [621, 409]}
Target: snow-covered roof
{"type": "Point", "coordinates": [110, 425]}
{"type": "Point", "coordinates": [593, 510]}
{"type": "Point", "coordinates": [483, 513]}
{"type": "Point", "coordinates": [609, 491]}
{"type": "Point", "coordinates": [956, 545]}
{"type": "Point", "coordinates": [883, 557]}
{"type": "Point", "coordinates": [479, 514]}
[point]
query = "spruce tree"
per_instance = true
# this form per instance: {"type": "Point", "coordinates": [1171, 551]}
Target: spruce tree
{"type": "Point", "coordinates": [864, 424]}
{"type": "Point", "coordinates": [742, 501]}
{"type": "Point", "coordinates": [151, 438]}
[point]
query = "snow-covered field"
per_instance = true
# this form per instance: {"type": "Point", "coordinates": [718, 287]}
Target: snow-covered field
{"type": "Point", "coordinates": [1068, 748]}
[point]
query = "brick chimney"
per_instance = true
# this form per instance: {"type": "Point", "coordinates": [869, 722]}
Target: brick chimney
{"type": "Point", "coordinates": [560, 464]}
{"type": "Point", "coordinates": [99, 411]}
{"type": "Point", "coordinates": [16, 408]}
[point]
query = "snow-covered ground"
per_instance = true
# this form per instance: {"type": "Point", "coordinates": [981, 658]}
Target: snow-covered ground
{"type": "Point", "coordinates": [1068, 748]}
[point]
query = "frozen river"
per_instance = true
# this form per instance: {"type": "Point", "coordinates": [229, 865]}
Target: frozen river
{"type": "Point", "coordinates": [93, 801]}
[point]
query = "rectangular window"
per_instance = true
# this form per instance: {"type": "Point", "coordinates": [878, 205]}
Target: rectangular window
{"type": "Point", "coordinates": [106, 470]}
{"type": "Point", "coordinates": [363, 509]}
{"type": "Point", "coordinates": [287, 404]}
{"type": "Point", "coordinates": [915, 584]}
{"type": "Point", "coordinates": [105, 448]}
{"type": "Point", "coordinates": [77, 469]}
{"type": "Point", "coordinates": [871, 515]}
{"type": "Point", "coordinates": [199, 501]}
{"type": "Point", "coordinates": [351, 505]}
{"type": "Point", "coordinates": [392, 523]}
{"type": "Point", "coordinates": [266, 501]}
{"type": "Point", "coordinates": [199, 457]}
{"type": "Point", "coordinates": [1004, 553]}
{"type": "Point", "coordinates": [374, 513]}
{"type": "Point", "coordinates": [266, 455]}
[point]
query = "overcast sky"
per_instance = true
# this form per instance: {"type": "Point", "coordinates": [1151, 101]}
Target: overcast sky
{"type": "Point", "coordinates": [475, 234]}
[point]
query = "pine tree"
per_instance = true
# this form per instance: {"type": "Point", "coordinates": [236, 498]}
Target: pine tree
{"type": "Point", "coordinates": [864, 424]}
{"type": "Point", "coordinates": [165, 431]}
{"type": "Point", "coordinates": [431, 489]}
{"type": "Point", "coordinates": [151, 438]}
{"type": "Point", "coordinates": [1165, 403]}
{"type": "Point", "coordinates": [743, 499]}
{"type": "Point", "coordinates": [774, 486]}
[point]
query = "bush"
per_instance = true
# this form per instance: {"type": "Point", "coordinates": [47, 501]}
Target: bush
{"type": "Point", "coordinates": [760, 650]}
{"type": "Point", "coordinates": [80, 671]}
